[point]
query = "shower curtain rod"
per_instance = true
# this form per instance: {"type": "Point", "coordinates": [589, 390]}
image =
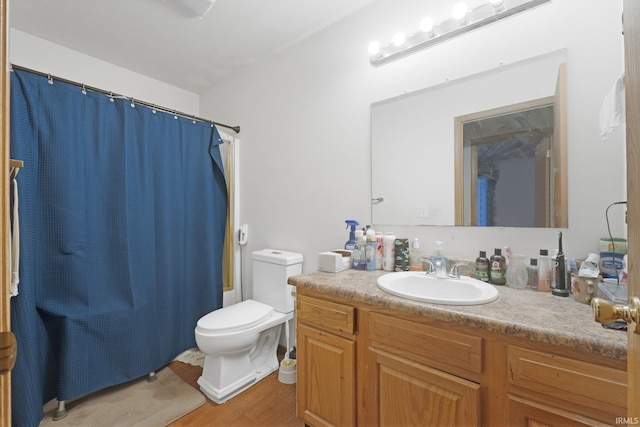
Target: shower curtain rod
{"type": "Point", "coordinates": [236, 129]}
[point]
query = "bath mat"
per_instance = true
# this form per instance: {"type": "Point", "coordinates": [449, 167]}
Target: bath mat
{"type": "Point", "coordinates": [192, 356]}
{"type": "Point", "coordinates": [136, 403]}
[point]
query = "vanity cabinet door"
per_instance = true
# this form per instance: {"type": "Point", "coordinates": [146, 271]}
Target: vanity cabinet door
{"type": "Point", "coordinates": [525, 413]}
{"type": "Point", "coordinates": [326, 378]}
{"type": "Point", "coordinates": [326, 347]}
{"type": "Point", "coordinates": [420, 375]}
{"type": "Point", "coordinates": [564, 388]}
{"type": "Point", "coordinates": [406, 393]}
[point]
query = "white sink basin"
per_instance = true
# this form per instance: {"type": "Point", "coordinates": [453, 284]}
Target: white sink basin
{"type": "Point", "coordinates": [418, 286]}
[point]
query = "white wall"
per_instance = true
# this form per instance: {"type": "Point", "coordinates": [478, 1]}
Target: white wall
{"type": "Point", "coordinates": [41, 55]}
{"type": "Point", "coordinates": [305, 118]}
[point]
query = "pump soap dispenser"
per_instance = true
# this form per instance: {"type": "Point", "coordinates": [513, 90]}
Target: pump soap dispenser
{"type": "Point", "coordinates": [439, 261]}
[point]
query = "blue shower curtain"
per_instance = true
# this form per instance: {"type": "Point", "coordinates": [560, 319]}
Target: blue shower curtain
{"type": "Point", "coordinates": [122, 217]}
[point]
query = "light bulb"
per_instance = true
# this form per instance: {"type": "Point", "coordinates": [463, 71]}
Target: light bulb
{"type": "Point", "coordinates": [374, 48]}
{"type": "Point", "coordinates": [459, 11]}
{"type": "Point", "coordinates": [498, 5]}
{"type": "Point", "coordinates": [427, 24]}
{"type": "Point", "coordinates": [399, 38]}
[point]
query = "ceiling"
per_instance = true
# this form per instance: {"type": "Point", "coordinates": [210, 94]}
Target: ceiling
{"type": "Point", "coordinates": [162, 40]}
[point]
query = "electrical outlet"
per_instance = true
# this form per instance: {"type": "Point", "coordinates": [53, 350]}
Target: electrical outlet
{"type": "Point", "coordinates": [422, 212]}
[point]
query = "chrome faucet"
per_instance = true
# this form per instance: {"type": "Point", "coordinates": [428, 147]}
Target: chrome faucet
{"type": "Point", "coordinates": [437, 268]}
{"type": "Point", "coordinates": [454, 270]}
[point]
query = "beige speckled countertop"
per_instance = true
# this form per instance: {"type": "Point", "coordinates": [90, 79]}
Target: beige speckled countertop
{"type": "Point", "coordinates": [537, 316]}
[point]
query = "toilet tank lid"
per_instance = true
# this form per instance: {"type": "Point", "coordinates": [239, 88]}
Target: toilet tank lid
{"type": "Point", "coordinates": [276, 256]}
{"type": "Point", "coordinates": [236, 317]}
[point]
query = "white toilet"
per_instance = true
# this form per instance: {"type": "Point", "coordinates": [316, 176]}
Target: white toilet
{"type": "Point", "coordinates": [240, 341]}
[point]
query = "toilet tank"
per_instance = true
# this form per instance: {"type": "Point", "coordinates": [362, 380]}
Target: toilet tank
{"type": "Point", "coordinates": [271, 269]}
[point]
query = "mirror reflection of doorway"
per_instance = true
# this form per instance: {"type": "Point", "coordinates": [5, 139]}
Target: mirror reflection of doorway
{"type": "Point", "coordinates": [509, 184]}
{"type": "Point", "coordinates": [511, 164]}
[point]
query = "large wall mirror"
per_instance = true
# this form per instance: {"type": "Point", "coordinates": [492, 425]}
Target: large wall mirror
{"type": "Point", "coordinates": [430, 147]}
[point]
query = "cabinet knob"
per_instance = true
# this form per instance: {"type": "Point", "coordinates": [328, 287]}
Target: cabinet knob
{"type": "Point", "coordinates": [8, 350]}
{"type": "Point", "coordinates": [605, 311]}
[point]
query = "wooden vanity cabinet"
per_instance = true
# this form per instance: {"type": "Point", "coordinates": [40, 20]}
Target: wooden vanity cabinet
{"type": "Point", "coordinates": [326, 362]}
{"type": "Point", "coordinates": [419, 375]}
{"type": "Point", "coordinates": [361, 365]}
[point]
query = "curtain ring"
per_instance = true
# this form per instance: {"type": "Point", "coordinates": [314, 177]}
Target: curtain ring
{"type": "Point", "coordinates": [111, 96]}
{"type": "Point", "coordinates": [50, 79]}
{"type": "Point", "coordinates": [175, 115]}
{"type": "Point", "coordinates": [84, 89]}
{"type": "Point", "coordinates": [133, 103]}
{"type": "Point", "coordinates": [153, 108]}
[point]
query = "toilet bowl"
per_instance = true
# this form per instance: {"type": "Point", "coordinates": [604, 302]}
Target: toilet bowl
{"type": "Point", "coordinates": [240, 341]}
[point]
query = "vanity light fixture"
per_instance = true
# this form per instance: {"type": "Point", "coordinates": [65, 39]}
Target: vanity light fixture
{"type": "Point", "coordinates": [374, 48]}
{"type": "Point", "coordinates": [399, 38]}
{"type": "Point", "coordinates": [198, 8]}
{"type": "Point", "coordinates": [498, 5]}
{"type": "Point", "coordinates": [462, 21]}
{"type": "Point", "coordinates": [460, 12]}
{"type": "Point", "coordinates": [428, 25]}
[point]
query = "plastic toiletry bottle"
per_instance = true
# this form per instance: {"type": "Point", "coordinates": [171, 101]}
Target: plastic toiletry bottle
{"type": "Point", "coordinates": [497, 268]}
{"type": "Point", "coordinates": [351, 243]}
{"type": "Point", "coordinates": [388, 251]}
{"type": "Point", "coordinates": [371, 249]}
{"type": "Point", "coordinates": [415, 256]}
{"type": "Point", "coordinates": [532, 271]}
{"type": "Point", "coordinates": [544, 271]}
{"type": "Point", "coordinates": [379, 250]}
{"type": "Point", "coordinates": [482, 267]}
{"type": "Point", "coordinates": [358, 259]}
{"type": "Point", "coordinates": [561, 288]}
{"type": "Point", "coordinates": [516, 273]}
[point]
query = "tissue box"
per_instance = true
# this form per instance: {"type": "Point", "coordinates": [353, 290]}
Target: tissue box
{"type": "Point", "coordinates": [334, 261]}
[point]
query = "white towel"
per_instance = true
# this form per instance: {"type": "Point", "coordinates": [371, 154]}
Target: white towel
{"type": "Point", "coordinates": [612, 112]}
{"type": "Point", "coordinates": [15, 243]}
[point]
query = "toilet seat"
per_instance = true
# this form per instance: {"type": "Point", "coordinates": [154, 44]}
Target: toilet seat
{"type": "Point", "coordinates": [237, 317]}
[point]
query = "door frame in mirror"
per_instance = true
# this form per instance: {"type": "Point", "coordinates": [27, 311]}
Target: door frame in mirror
{"type": "Point", "coordinates": [557, 215]}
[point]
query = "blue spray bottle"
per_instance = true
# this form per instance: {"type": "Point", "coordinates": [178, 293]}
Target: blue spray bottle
{"type": "Point", "coordinates": [351, 243]}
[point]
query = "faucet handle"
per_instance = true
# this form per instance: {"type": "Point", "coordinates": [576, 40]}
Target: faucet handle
{"type": "Point", "coordinates": [454, 270]}
{"type": "Point", "coordinates": [432, 268]}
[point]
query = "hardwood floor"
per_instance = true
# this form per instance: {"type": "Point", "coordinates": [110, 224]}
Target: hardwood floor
{"type": "Point", "coordinates": [265, 404]}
